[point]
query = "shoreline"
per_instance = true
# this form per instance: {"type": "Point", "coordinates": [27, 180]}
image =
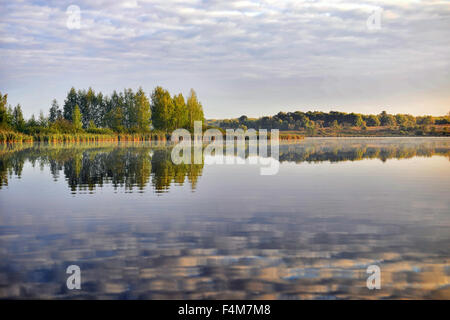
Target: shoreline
{"type": "Point", "coordinates": [80, 138]}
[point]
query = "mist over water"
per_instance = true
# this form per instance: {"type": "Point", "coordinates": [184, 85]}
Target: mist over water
{"type": "Point", "coordinates": [142, 227]}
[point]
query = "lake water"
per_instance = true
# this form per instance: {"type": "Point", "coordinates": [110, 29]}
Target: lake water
{"type": "Point", "coordinates": [140, 227]}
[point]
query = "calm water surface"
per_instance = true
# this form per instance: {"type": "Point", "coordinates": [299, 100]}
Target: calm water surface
{"type": "Point", "coordinates": [141, 227]}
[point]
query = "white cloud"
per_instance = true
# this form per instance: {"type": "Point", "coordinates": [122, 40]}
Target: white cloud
{"type": "Point", "coordinates": [240, 46]}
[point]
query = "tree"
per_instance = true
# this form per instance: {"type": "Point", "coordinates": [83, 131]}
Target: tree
{"type": "Point", "coordinates": [162, 109]}
{"type": "Point", "coordinates": [87, 109]}
{"type": "Point", "coordinates": [32, 122]}
{"type": "Point", "coordinates": [10, 116]}
{"type": "Point", "coordinates": [243, 119]}
{"type": "Point", "coordinates": [335, 125]}
{"type": "Point", "coordinates": [91, 125]}
{"type": "Point", "coordinates": [129, 109]}
{"type": "Point", "coordinates": [3, 110]}
{"type": "Point", "coordinates": [77, 118]}
{"type": "Point", "coordinates": [43, 121]}
{"type": "Point", "coordinates": [311, 128]}
{"type": "Point", "coordinates": [387, 119]}
{"type": "Point", "coordinates": [358, 121]}
{"type": "Point", "coordinates": [194, 109]}
{"type": "Point", "coordinates": [18, 120]}
{"type": "Point", "coordinates": [426, 120]}
{"type": "Point", "coordinates": [70, 103]}
{"type": "Point", "coordinates": [373, 121]}
{"type": "Point", "coordinates": [115, 119]}
{"type": "Point", "coordinates": [114, 116]}
{"type": "Point", "coordinates": [54, 112]}
{"type": "Point", "coordinates": [180, 111]}
{"type": "Point", "coordinates": [143, 111]}
{"type": "Point", "coordinates": [99, 110]}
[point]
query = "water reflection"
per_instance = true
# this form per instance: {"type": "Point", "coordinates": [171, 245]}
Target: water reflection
{"type": "Point", "coordinates": [307, 233]}
{"type": "Point", "coordinates": [133, 165]}
{"type": "Point", "coordinates": [87, 166]}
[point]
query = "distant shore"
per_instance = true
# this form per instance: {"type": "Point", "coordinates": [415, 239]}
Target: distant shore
{"type": "Point", "coordinates": [380, 131]}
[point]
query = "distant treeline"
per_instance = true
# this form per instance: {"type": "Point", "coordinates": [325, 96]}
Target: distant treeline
{"type": "Point", "coordinates": [312, 120]}
{"type": "Point", "coordinates": [85, 111]}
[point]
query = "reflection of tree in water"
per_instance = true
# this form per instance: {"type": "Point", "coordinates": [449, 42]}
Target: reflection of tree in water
{"type": "Point", "coordinates": [165, 172]}
{"type": "Point", "coordinates": [120, 167]}
{"type": "Point", "coordinates": [130, 166]}
{"type": "Point", "coordinates": [86, 168]}
{"type": "Point", "coordinates": [351, 151]}
{"type": "Point", "coordinates": [9, 165]}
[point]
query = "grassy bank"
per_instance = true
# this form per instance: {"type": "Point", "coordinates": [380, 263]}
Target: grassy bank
{"type": "Point", "coordinates": [13, 136]}
{"type": "Point", "coordinates": [382, 131]}
{"type": "Point", "coordinates": [89, 137]}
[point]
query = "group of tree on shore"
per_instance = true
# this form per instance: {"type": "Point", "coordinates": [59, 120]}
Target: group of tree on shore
{"type": "Point", "coordinates": [129, 112]}
{"type": "Point", "coordinates": [336, 120]}
{"type": "Point", "coordinates": [120, 112]}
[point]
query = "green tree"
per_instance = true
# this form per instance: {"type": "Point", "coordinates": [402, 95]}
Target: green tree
{"type": "Point", "coordinates": [10, 116]}
{"type": "Point", "coordinates": [70, 103]}
{"type": "Point", "coordinates": [18, 120]}
{"type": "Point", "coordinates": [311, 128]}
{"type": "Point", "coordinates": [143, 111]}
{"type": "Point", "coordinates": [115, 119]}
{"type": "Point", "coordinates": [91, 125]}
{"type": "Point", "coordinates": [77, 118]}
{"type": "Point", "coordinates": [426, 120]}
{"type": "Point", "coordinates": [387, 119]}
{"type": "Point", "coordinates": [43, 121]}
{"type": "Point", "coordinates": [194, 109]}
{"type": "Point", "coordinates": [54, 112]}
{"type": "Point", "coordinates": [373, 121]}
{"type": "Point", "coordinates": [356, 120]}
{"type": "Point", "coordinates": [88, 108]}
{"type": "Point", "coordinates": [335, 125]}
{"type": "Point", "coordinates": [3, 110]}
{"type": "Point", "coordinates": [180, 111]}
{"type": "Point", "coordinates": [32, 122]}
{"type": "Point", "coordinates": [99, 110]}
{"type": "Point", "coordinates": [162, 108]}
{"type": "Point", "coordinates": [129, 109]}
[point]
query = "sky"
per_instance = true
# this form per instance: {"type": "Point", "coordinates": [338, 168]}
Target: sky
{"type": "Point", "coordinates": [249, 58]}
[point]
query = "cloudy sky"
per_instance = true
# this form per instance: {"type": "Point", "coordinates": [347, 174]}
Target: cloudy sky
{"type": "Point", "coordinates": [242, 57]}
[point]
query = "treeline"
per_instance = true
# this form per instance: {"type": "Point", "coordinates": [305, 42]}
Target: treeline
{"type": "Point", "coordinates": [312, 120]}
{"type": "Point", "coordinates": [86, 111]}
